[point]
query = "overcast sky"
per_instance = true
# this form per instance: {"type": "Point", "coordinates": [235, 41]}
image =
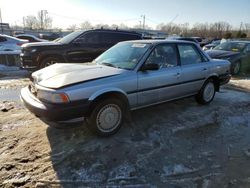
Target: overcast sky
{"type": "Point", "coordinates": [69, 12]}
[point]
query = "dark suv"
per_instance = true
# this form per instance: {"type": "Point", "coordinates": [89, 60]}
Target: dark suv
{"type": "Point", "coordinates": [77, 47]}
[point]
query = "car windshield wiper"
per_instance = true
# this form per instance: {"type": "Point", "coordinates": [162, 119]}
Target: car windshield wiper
{"type": "Point", "coordinates": [108, 64]}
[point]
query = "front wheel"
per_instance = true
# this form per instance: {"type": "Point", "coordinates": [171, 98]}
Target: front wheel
{"type": "Point", "coordinates": [206, 93]}
{"type": "Point", "coordinates": [48, 61]}
{"type": "Point", "coordinates": [107, 117]}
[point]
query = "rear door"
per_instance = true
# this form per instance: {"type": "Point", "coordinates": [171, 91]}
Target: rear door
{"type": "Point", "coordinates": [194, 68]}
{"type": "Point", "coordinates": [160, 85]}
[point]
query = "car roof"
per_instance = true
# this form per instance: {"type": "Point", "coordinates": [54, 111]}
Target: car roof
{"type": "Point", "coordinates": [152, 41]}
{"type": "Point", "coordinates": [115, 30]}
{"type": "Point", "coordinates": [10, 37]}
{"type": "Point", "coordinates": [239, 41]}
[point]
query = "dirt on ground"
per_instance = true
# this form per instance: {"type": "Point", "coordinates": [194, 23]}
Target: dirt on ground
{"type": "Point", "coordinates": [176, 144]}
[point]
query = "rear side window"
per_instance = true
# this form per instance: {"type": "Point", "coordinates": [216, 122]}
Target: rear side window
{"type": "Point", "coordinates": [3, 39]}
{"type": "Point", "coordinates": [189, 54]}
{"type": "Point", "coordinates": [26, 38]}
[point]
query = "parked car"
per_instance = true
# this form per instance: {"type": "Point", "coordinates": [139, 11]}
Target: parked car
{"type": "Point", "coordinates": [128, 76]}
{"type": "Point", "coordinates": [187, 39]}
{"type": "Point", "coordinates": [237, 52]}
{"type": "Point", "coordinates": [30, 38]}
{"type": "Point", "coordinates": [50, 37]}
{"type": "Point", "coordinates": [77, 47]}
{"type": "Point", "coordinates": [212, 45]}
{"type": "Point", "coordinates": [8, 43]}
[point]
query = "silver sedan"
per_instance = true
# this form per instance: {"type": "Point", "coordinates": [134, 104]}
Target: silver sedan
{"type": "Point", "coordinates": [129, 76]}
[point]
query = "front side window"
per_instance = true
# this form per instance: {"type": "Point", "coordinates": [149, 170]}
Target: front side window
{"type": "Point", "coordinates": [189, 54]}
{"type": "Point", "coordinates": [163, 55]}
{"type": "Point", "coordinates": [90, 38]}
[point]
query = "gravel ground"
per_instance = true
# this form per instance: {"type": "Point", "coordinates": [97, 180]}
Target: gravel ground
{"type": "Point", "coordinates": [176, 144]}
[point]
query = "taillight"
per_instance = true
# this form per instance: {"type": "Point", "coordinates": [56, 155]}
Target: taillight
{"type": "Point", "coordinates": [19, 44]}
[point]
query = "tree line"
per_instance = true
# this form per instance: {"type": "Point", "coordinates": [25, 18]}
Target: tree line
{"type": "Point", "coordinates": [219, 29]}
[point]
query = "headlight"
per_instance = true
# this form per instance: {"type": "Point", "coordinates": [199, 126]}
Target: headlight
{"type": "Point", "coordinates": [52, 97]}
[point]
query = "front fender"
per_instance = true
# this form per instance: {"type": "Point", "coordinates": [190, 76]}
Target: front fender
{"type": "Point", "coordinates": [104, 91]}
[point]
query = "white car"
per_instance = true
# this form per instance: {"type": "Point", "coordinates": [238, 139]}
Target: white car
{"type": "Point", "coordinates": [30, 38]}
{"type": "Point", "coordinates": [8, 43]}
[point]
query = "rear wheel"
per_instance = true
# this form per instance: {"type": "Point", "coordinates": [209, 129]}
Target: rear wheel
{"type": "Point", "coordinates": [49, 61]}
{"type": "Point", "coordinates": [107, 117]}
{"type": "Point", "coordinates": [206, 93]}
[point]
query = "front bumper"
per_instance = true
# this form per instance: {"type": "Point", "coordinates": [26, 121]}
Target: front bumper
{"type": "Point", "coordinates": [54, 112]}
{"type": "Point", "coordinates": [28, 61]}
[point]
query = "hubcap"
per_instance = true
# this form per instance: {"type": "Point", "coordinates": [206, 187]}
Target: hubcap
{"type": "Point", "coordinates": [109, 117]}
{"type": "Point", "coordinates": [209, 92]}
{"type": "Point", "coordinates": [51, 62]}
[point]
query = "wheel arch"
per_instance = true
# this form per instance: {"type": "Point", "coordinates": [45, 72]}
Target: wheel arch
{"type": "Point", "coordinates": [108, 93]}
{"type": "Point", "coordinates": [216, 81]}
{"type": "Point", "coordinates": [44, 56]}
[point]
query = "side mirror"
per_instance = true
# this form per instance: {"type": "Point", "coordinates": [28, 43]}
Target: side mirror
{"type": "Point", "coordinates": [150, 66]}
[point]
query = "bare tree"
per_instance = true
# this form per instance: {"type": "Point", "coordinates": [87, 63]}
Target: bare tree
{"type": "Point", "coordinates": [43, 20]}
{"type": "Point", "coordinates": [86, 25]}
{"type": "Point", "coordinates": [30, 22]}
{"type": "Point", "coordinates": [72, 27]}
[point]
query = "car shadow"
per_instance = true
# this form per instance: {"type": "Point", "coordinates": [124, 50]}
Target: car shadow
{"type": "Point", "coordinates": [82, 159]}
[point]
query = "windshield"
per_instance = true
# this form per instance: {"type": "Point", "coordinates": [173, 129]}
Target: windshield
{"type": "Point", "coordinates": [123, 55]}
{"type": "Point", "coordinates": [68, 38]}
{"type": "Point", "coordinates": [231, 46]}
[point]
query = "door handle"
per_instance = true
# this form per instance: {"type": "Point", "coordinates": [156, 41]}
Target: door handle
{"type": "Point", "coordinates": [177, 74]}
{"type": "Point", "coordinates": [204, 69]}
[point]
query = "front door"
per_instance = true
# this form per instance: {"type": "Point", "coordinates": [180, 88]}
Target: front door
{"type": "Point", "coordinates": [156, 86]}
{"type": "Point", "coordinates": [85, 48]}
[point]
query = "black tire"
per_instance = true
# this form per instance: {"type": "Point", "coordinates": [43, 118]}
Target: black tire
{"type": "Point", "coordinates": [206, 93]}
{"type": "Point", "coordinates": [48, 61]}
{"type": "Point", "coordinates": [236, 67]}
{"type": "Point", "coordinates": [106, 113]}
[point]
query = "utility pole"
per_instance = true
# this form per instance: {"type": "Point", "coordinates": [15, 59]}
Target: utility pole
{"type": "Point", "coordinates": [1, 21]}
{"type": "Point", "coordinates": [41, 19]}
{"type": "Point", "coordinates": [43, 16]}
{"type": "Point", "coordinates": [23, 22]}
{"type": "Point", "coordinates": [143, 22]}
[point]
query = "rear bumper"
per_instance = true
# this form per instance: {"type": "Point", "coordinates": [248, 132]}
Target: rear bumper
{"type": "Point", "coordinates": [224, 79]}
{"type": "Point", "coordinates": [54, 112]}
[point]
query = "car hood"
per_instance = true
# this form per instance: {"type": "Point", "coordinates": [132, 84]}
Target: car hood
{"type": "Point", "coordinates": [65, 74]}
{"type": "Point", "coordinates": [35, 44]}
{"type": "Point", "coordinates": [221, 53]}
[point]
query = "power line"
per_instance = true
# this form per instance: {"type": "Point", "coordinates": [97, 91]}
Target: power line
{"type": "Point", "coordinates": [155, 22]}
